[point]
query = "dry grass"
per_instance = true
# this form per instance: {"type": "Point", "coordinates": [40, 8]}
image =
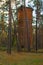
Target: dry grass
{"type": "Point", "coordinates": [21, 58]}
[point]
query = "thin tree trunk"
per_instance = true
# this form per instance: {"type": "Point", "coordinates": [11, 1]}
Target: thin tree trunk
{"type": "Point", "coordinates": [3, 28]}
{"type": "Point", "coordinates": [26, 20]}
{"type": "Point", "coordinates": [9, 31]}
{"type": "Point", "coordinates": [37, 20]}
{"type": "Point", "coordinates": [17, 33]}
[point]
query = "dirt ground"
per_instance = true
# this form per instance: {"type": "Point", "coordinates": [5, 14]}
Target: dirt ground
{"type": "Point", "coordinates": [21, 58]}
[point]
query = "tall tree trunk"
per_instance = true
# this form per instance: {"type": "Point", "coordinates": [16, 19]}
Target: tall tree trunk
{"type": "Point", "coordinates": [17, 33]}
{"type": "Point", "coordinates": [37, 20]}
{"type": "Point", "coordinates": [9, 31]}
{"type": "Point", "coordinates": [26, 20]}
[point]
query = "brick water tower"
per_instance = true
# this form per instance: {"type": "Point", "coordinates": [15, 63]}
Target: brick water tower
{"type": "Point", "coordinates": [25, 27]}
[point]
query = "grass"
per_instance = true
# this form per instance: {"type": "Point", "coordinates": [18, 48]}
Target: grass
{"type": "Point", "coordinates": [21, 58]}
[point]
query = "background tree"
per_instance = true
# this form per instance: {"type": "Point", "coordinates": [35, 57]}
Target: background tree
{"type": "Point", "coordinates": [9, 30]}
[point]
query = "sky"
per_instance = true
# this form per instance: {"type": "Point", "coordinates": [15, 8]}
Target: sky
{"type": "Point", "coordinates": [13, 5]}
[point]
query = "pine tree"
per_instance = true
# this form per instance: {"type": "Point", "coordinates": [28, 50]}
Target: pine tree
{"type": "Point", "coordinates": [9, 30]}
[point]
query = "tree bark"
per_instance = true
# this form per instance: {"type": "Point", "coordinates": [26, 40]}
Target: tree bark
{"type": "Point", "coordinates": [9, 31]}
